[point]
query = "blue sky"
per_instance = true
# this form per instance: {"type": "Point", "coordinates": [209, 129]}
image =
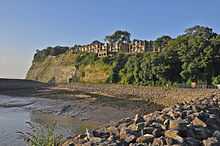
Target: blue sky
{"type": "Point", "coordinates": [27, 25]}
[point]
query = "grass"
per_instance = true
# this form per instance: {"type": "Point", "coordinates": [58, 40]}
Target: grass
{"type": "Point", "coordinates": [40, 136]}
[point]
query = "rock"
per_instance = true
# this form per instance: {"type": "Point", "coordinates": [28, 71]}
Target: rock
{"type": "Point", "coordinates": [216, 134]}
{"type": "Point", "coordinates": [95, 139]}
{"type": "Point", "coordinates": [211, 142]}
{"type": "Point", "coordinates": [158, 125]}
{"type": "Point", "coordinates": [80, 136]}
{"type": "Point", "coordinates": [201, 133]}
{"type": "Point", "coordinates": [177, 124]}
{"type": "Point", "coordinates": [111, 138]}
{"type": "Point", "coordinates": [133, 127]}
{"type": "Point", "coordinates": [213, 123]}
{"type": "Point", "coordinates": [198, 122]}
{"type": "Point", "coordinates": [159, 141]}
{"type": "Point", "coordinates": [124, 132]}
{"type": "Point", "coordinates": [148, 119]}
{"type": "Point", "coordinates": [171, 142]}
{"type": "Point", "coordinates": [125, 120]}
{"type": "Point", "coordinates": [189, 141]}
{"type": "Point", "coordinates": [130, 138]}
{"type": "Point", "coordinates": [158, 132]}
{"type": "Point", "coordinates": [166, 123]}
{"type": "Point", "coordinates": [100, 134]}
{"type": "Point", "coordinates": [113, 130]}
{"type": "Point", "coordinates": [148, 130]}
{"type": "Point", "coordinates": [147, 138]}
{"type": "Point", "coordinates": [86, 144]}
{"type": "Point", "coordinates": [138, 119]}
{"type": "Point", "coordinates": [140, 126]}
{"type": "Point", "coordinates": [173, 134]}
{"type": "Point", "coordinates": [174, 114]}
{"type": "Point", "coordinates": [122, 125]}
{"type": "Point", "coordinates": [68, 143]}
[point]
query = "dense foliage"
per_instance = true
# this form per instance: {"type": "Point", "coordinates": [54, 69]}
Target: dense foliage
{"type": "Point", "coordinates": [192, 56]}
{"type": "Point", "coordinates": [40, 55]}
{"type": "Point", "coordinates": [118, 36]}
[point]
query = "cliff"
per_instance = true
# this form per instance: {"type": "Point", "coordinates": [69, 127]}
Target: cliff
{"type": "Point", "coordinates": [67, 67]}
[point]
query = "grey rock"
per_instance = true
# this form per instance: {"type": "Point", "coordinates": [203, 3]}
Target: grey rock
{"type": "Point", "coordinates": [189, 141]}
{"type": "Point", "coordinates": [211, 142]}
{"type": "Point", "coordinates": [217, 134]}
{"type": "Point", "coordinates": [130, 138]}
{"type": "Point", "coordinates": [158, 132]}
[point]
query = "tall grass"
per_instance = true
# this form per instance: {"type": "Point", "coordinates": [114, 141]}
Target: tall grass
{"type": "Point", "coordinates": [40, 136]}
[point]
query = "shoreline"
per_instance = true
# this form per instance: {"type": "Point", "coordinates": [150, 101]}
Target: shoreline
{"type": "Point", "coordinates": [109, 103]}
{"type": "Point", "coordinates": [192, 124]}
{"type": "Point", "coordinates": [159, 95]}
{"type": "Point", "coordinates": [81, 104]}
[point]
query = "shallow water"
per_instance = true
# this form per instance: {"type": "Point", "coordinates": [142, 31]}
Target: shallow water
{"type": "Point", "coordinates": [15, 118]}
{"type": "Point", "coordinates": [10, 121]}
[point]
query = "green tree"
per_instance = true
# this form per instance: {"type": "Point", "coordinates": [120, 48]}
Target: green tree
{"type": "Point", "coordinates": [196, 54]}
{"type": "Point", "coordinates": [162, 41]}
{"type": "Point", "coordinates": [215, 41]}
{"type": "Point", "coordinates": [118, 36]}
{"type": "Point", "coordinates": [204, 32]}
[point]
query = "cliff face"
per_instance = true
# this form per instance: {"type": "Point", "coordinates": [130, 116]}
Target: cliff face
{"type": "Point", "coordinates": [62, 69]}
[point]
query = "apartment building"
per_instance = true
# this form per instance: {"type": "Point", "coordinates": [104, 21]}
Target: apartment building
{"type": "Point", "coordinates": [103, 52]}
{"type": "Point", "coordinates": [94, 47]}
{"type": "Point", "coordinates": [118, 47]}
{"type": "Point", "coordinates": [106, 49]}
{"type": "Point", "coordinates": [137, 46]}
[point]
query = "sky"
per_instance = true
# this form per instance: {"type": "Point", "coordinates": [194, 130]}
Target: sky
{"type": "Point", "coordinates": [28, 25]}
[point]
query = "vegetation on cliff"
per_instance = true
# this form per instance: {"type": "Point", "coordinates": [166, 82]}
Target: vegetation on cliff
{"type": "Point", "coordinates": [192, 56]}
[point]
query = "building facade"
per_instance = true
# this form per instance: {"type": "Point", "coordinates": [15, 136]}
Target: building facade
{"type": "Point", "coordinates": [106, 49]}
{"type": "Point", "coordinates": [138, 46]}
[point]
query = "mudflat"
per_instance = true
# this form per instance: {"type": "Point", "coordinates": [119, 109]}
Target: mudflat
{"type": "Point", "coordinates": [19, 87]}
{"type": "Point", "coordinates": [81, 104]}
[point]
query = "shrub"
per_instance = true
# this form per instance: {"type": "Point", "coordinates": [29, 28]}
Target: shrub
{"type": "Point", "coordinates": [40, 136]}
{"type": "Point", "coordinates": [85, 58]}
{"type": "Point", "coordinates": [40, 55]}
{"type": "Point", "coordinates": [216, 80]}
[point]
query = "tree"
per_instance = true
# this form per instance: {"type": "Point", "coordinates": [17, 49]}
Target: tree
{"type": "Point", "coordinates": [129, 73]}
{"type": "Point", "coordinates": [215, 42]}
{"type": "Point", "coordinates": [162, 41]}
{"type": "Point", "coordinates": [118, 37]}
{"type": "Point", "coordinates": [196, 55]}
{"type": "Point", "coordinates": [204, 32]}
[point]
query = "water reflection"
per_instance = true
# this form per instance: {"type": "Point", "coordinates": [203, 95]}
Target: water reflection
{"type": "Point", "coordinates": [10, 121]}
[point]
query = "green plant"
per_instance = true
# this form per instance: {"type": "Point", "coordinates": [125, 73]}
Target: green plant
{"type": "Point", "coordinates": [40, 136]}
{"type": "Point", "coordinates": [216, 80]}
